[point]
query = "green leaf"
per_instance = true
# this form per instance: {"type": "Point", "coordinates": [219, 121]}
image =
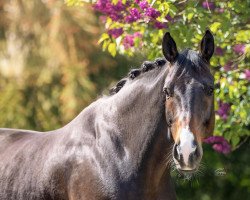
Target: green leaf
{"type": "Point", "coordinates": [112, 49]}
{"type": "Point", "coordinates": [243, 36]}
{"type": "Point", "coordinates": [215, 26]}
{"type": "Point", "coordinates": [235, 140]}
{"type": "Point", "coordinates": [114, 2]}
{"type": "Point", "coordinates": [104, 36]}
{"type": "Point", "coordinates": [190, 16]}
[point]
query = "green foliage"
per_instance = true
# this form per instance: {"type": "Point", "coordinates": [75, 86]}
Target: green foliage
{"type": "Point", "coordinates": [187, 21]}
{"type": "Point", "coordinates": [50, 65]}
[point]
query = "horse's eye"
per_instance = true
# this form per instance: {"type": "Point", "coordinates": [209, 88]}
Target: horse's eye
{"type": "Point", "coordinates": [206, 122]}
{"type": "Point", "coordinates": [167, 92]}
{"type": "Point", "coordinates": [170, 122]}
{"type": "Point", "coordinates": [209, 90]}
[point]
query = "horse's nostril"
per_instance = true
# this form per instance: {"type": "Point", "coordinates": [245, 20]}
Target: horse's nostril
{"type": "Point", "coordinates": [176, 153]}
{"type": "Point", "coordinates": [194, 144]}
{"type": "Point", "coordinates": [196, 152]}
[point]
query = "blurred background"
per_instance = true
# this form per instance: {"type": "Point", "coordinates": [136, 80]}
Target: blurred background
{"type": "Point", "coordinates": [51, 67]}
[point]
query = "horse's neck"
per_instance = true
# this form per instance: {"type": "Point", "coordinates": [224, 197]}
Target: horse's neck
{"type": "Point", "coordinates": [129, 130]}
{"type": "Point", "coordinates": [138, 107]}
{"type": "Point", "coordinates": [135, 116]}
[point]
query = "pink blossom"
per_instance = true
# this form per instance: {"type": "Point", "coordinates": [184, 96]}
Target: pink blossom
{"type": "Point", "coordinates": [169, 18]}
{"type": "Point", "coordinates": [230, 66]}
{"type": "Point", "coordinates": [223, 111]}
{"type": "Point", "coordinates": [103, 19]}
{"type": "Point", "coordinates": [159, 25]}
{"type": "Point", "coordinates": [116, 32]}
{"type": "Point", "coordinates": [137, 34]}
{"type": "Point", "coordinates": [129, 40]}
{"type": "Point", "coordinates": [247, 74]}
{"type": "Point", "coordinates": [134, 15]}
{"type": "Point", "coordinates": [153, 13]}
{"type": "Point", "coordinates": [219, 143]}
{"type": "Point", "coordinates": [214, 139]}
{"type": "Point", "coordinates": [208, 5]}
{"type": "Point", "coordinates": [143, 5]}
{"type": "Point", "coordinates": [219, 51]}
{"type": "Point", "coordinates": [114, 11]}
{"type": "Point", "coordinates": [239, 48]}
{"type": "Point", "coordinates": [220, 10]}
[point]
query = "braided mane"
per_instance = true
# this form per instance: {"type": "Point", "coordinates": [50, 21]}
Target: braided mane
{"type": "Point", "coordinates": [145, 67]}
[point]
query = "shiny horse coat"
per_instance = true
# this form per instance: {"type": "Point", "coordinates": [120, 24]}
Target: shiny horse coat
{"type": "Point", "coordinates": [117, 148]}
{"type": "Point", "coordinates": [109, 151]}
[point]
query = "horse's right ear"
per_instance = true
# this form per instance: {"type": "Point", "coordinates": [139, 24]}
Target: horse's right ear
{"type": "Point", "coordinates": [207, 46]}
{"type": "Point", "coordinates": [169, 48]}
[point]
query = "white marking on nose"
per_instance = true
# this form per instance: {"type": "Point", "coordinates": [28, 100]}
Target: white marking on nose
{"type": "Point", "coordinates": [186, 144]}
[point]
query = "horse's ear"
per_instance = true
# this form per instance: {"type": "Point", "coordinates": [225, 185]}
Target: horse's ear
{"type": "Point", "coordinates": [169, 48]}
{"type": "Point", "coordinates": [207, 46]}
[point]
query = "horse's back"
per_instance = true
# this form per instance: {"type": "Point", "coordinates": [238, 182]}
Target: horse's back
{"type": "Point", "coordinates": [24, 170]}
{"type": "Point", "coordinates": [9, 137]}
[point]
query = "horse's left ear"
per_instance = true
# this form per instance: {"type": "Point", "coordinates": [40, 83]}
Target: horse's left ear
{"type": "Point", "coordinates": [169, 48]}
{"type": "Point", "coordinates": [207, 46]}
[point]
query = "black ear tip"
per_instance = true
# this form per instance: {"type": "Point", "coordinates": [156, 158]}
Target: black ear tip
{"type": "Point", "coordinates": [208, 32]}
{"type": "Point", "coordinates": [167, 35]}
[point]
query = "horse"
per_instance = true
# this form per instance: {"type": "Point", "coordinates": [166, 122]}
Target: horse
{"type": "Point", "coordinates": [121, 146]}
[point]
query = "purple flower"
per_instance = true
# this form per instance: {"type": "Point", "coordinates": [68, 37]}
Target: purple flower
{"type": "Point", "coordinates": [103, 19]}
{"type": "Point", "coordinates": [214, 139]}
{"type": "Point", "coordinates": [222, 148]}
{"type": "Point", "coordinates": [137, 1]}
{"type": "Point", "coordinates": [220, 10]}
{"type": "Point", "coordinates": [143, 5]}
{"type": "Point", "coordinates": [115, 16]}
{"type": "Point", "coordinates": [169, 18]}
{"type": "Point", "coordinates": [220, 144]}
{"type": "Point", "coordinates": [134, 15]}
{"type": "Point", "coordinates": [111, 10]}
{"type": "Point", "coordinates": [135, 12]}
{"type": "Point", "coordinates": [228, 66]}
{"type": "Point", "coordinates": [219, 51]}
{"type": "Point", "coordinates": [128, 41]}
{"type": "Point", "coordinates": [208, 5]}
{"type": "Point", "coordinates": [239, 48]}
{"type": "Point", "coordinates": [247, 74]}
{"type": "Point", "coordinates": [115, 32]}
{"type": "Point", "coordinates": [137, 34]}
{"type": "Point", "coordinates": [102, 6]}
{"type": "Point", "coordinates": [159, 25]}
{"type": "Point", "coordinates": [223, 110]}
{"type": "Point", "coordinates": [153, 13]}
{"type": "Point", "coordinates": [118, 7]}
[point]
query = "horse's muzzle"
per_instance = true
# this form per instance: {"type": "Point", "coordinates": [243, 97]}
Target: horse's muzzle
{"type": "Point", "coordinates": [187, 153]}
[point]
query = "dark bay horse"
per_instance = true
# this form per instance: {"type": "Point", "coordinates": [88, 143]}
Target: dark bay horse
{"type": "Point", "coordinates": [120, 146]}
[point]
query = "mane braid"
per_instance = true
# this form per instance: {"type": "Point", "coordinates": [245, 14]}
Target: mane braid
{"type": "Point", "coordinates": [145, 67]}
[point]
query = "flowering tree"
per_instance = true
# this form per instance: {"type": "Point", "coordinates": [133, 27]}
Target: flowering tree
{"type": "Point", "coordinates": [134, 25]}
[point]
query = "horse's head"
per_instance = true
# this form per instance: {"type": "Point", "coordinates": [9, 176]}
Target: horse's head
{"type": "Point", "coordinates": [189, 100]}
